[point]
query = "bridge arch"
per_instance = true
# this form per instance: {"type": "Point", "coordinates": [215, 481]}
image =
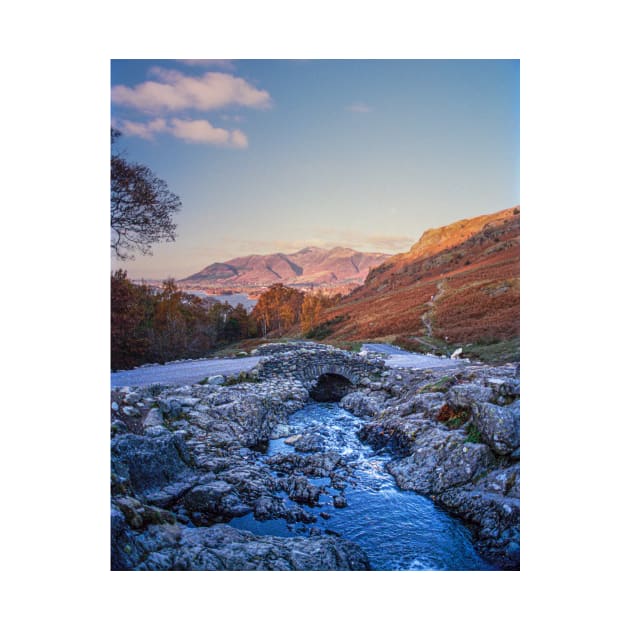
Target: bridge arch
{"type": "Point", "coordinates": [321, 367]}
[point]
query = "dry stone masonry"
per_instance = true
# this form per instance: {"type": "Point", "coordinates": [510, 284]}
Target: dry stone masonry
{"type": "Point", "coordinates": [307, 362]}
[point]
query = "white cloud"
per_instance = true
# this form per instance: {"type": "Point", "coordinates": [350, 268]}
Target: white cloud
{"type": "Point", "coordinates": [190, 131]}
{"type": "Point", "coordinates": [359, 108]}
{"type": "Point", "coordinates": [198, 131]}
{"type": "Point", "coordinates": [238, 139]}
{"type": "Point", "coordinates": [143, 130]}
{"type": "Point", "coordinates": [174, 91]}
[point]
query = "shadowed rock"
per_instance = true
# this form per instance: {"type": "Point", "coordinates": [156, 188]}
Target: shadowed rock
{"type": "Point", "coordinates": [331, 388]}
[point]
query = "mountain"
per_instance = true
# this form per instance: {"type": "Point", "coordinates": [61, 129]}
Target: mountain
{"type": "Point", "coordinates": [309, 266]}
{"type": "Point", "coordinates": [459, 282]}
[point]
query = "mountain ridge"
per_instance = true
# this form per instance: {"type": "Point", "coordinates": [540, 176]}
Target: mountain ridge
{"type": "Point", "coordinates": [307, 266]}
{"type": "Point", "coordinates": [459, 282]}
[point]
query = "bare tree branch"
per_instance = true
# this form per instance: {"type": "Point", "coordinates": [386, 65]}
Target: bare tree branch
{"type": "Point", "coordinates": [142, 207]}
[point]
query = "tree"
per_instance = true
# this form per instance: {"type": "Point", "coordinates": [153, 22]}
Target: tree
{"type": "Point", "coordinates": [142, 207]}
{"type": "Point", "coordinates": [278, 308]}
{"type": "Point", "coordinates": [129, 341]}
{"type": "Point", "coordinates": [311, 311]}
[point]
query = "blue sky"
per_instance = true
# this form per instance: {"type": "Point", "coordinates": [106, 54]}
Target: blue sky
{"type": "Point", "coordinates": [275, 155]}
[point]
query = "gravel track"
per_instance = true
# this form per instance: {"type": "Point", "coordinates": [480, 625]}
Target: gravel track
{"type": "Point", "coordinates": [181, 372]}
{"type": "Point", "coordinates": [191, 372]}
{"type": "Point", "coordinates": [396, 357]}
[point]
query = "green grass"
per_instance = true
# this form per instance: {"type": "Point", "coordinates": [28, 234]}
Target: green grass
{"type": "Point", "coordinates": [473, 433]}
{"type": "Point", "coordinates": [442, 385]}
{"type": "Point", "coordinates": [433, 345]}
{"type": "Point", "coordinates": [243, 377]}
{"type": "Point", "coordinates": [495, 352]}
{"type": "Point", "coordinates": [457, 421]}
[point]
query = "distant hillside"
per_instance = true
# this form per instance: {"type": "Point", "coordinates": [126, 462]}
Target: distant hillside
{"type": "Point", "coordinates": [460, 282]}
{"type": "Point", "coordinates": [310, 266]}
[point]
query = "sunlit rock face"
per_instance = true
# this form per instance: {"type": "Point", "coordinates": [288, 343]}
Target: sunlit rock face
{"type": "Point", "coordinates": [331, 388]}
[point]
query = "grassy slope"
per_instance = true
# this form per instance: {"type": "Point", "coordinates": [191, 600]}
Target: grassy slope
{"type": "Point", "coordinates": [466, 292]}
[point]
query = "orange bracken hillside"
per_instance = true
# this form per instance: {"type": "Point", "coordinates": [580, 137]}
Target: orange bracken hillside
{"type": "Point", "coordinates": [460, 282]}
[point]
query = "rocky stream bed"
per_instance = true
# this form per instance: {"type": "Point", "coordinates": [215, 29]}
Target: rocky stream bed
{"type": "Point", "coordinates": [412, 469]}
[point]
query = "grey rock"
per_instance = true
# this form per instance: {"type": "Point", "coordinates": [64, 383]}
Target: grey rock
{"type": "Point", "coordinates": [493, 506]}
{"type": "Point", "coordinates": [171, 408]}
{"type": "Point", "coordinates": [309, 443]}
{"type": "Point", "coordinates": [117, 427]}
{"type": "Point", "coordinates": [153, 419]}
{"type": "Point", "coordinates": [155, 466]}
{"type": "Point", "coordinates": [280, 431]}
{"type": "Point", "coordinates": [292, 439]}
{"type": "Point", "coordinates": [428, 404]}
{"type": "Point", "coordinates": [499, 426]}
{"type": "Point", "coordinates": [222, 547]}
{"type": "Point", "coordinates": [301, 490]}
{"type": "Point", "coordinates": [132, 398]}
{"type": "Point", "coordinates": [339, 501]}
{"type": "Point", "coordinates": [156, 431]}
{"type": "Point", "coordinates": [362, 405]}
{"type": "Point", "coordinates": [464, 396]}
{"type": "Point", "coordinates": [440, 462]}
{"type": "Point", "coordinates": [214, 499]}
{"type": "Point", "coordinates": [312, 465]}
{"type": "Point", "coordinates": [216, 380]}
{"type": "Point", "coordinates": [504, 387]}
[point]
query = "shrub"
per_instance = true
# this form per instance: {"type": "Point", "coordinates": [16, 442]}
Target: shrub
{"type": "Point", "coordinates": [473, 433]}
{"type": "Point", "coordinates": [453, 418]}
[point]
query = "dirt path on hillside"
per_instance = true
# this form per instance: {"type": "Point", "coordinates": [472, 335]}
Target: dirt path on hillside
{"type": "Point", "coordinates": [427, 318]}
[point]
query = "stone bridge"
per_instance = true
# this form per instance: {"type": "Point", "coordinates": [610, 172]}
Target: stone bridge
{"type": "Point", "coordinates": [327, 372]}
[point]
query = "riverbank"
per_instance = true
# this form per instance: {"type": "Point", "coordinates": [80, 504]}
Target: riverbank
{"type": "Point", "coordinates": [188, 460]}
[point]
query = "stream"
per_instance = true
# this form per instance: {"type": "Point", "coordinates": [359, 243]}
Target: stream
{"type": "Point", "coordinates": [399, 530]}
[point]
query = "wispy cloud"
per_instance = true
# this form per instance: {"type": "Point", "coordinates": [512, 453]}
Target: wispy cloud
{"type": "Point", "coordinates": [224, 64]}
{"type": "Point", "coordinates": [174, 91]}
{"type": "Point", "coordinates": [190, 131]}
{"type": "Point", "coordinates": [359, 108]}
{"type": "Point", "coordinates": [327, 240]}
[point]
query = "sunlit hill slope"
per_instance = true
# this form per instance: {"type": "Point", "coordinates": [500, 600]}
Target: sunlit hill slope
{"type": "Point", "coordinates": [460, 282]}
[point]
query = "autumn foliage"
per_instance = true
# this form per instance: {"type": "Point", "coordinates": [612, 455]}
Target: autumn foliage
{"type": "Point", "coordinates": [149, 325]}
{"type": "Point", "coordinates": [278, 309]}
{"type": "Point", "coordinates": [460, 283]}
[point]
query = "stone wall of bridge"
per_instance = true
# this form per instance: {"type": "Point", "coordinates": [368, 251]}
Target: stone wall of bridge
{"type": "Point", "coordinates": [308, 362]}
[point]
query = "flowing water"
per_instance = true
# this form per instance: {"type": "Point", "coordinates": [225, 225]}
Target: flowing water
{"type": "Point", "coordinates": [399, 530]}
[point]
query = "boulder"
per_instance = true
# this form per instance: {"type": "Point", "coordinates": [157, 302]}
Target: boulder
{"type": "Point", "coordinates": [309, 443]}
{"type": "Point", "coordinates": [499, 426]}
{"type": "Point", "coordinates": [441, 459]}
{"type": "Point", "coordinates": [214, 499]}
{"type": "Point", "coordinates": [339, 501]}
{"type": "Point", "coordinates": [301, 490]}
{"type": "Point", "coordinates": [153, 419]}
{"type": "Point", "coordinates": [221, 547]}
{"type": "Point", "coordinates": [158, 468]}
{"type": "Point", "coordinates": [464, 396]}
{"type": "Point", "coordinates": [215, 380]}
{"type": "Point", "coordinates": [492, 505]}
{"type": "Point", "coordinates": [361, 404]}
